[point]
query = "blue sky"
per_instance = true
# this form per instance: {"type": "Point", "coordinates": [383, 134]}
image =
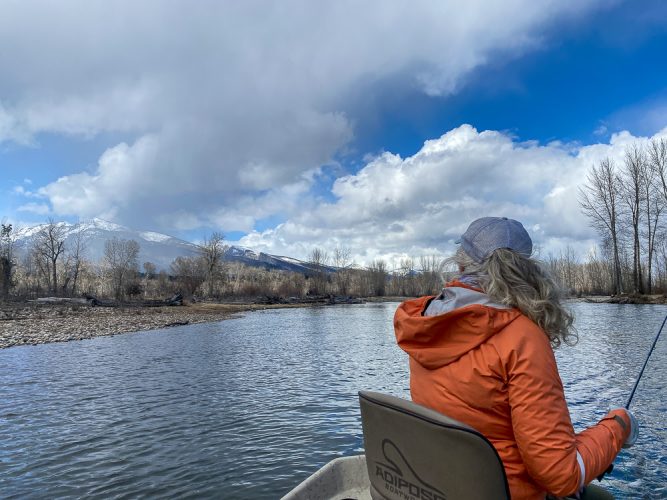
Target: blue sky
{"type": "Point", "coordinates": [603, 70]}
{"type": "Point", "coordinates": [306, 127]}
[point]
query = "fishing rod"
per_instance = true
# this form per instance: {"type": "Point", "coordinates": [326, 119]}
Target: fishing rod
{"type": "Point", "coordinates": [627, 405]}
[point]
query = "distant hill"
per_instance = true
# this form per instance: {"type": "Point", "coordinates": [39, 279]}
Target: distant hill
{"type": "Point", "coordinates": [268, 261]}
{"type": "Point", "coordinates": [158, 248]}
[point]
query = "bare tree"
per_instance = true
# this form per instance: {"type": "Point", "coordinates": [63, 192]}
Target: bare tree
{"type": "Point", "coordinates": [655, 200]}
{"type": "Point", "coordinates": [49, 244]}
{"type": "Point", "coordinates": [377, 273]}
{"type": "Point", "coordinates": [599, 200]}
{"type": "Point", "coordinates": [318, 257]}
{"type": "Point", "coordinates": [212, 251]}
{"type": "Point", "coordinates": [150, 270]}
{"type": "Point", "coordinates": [121, 257]}
{"type": "Point", "coordinates": [633, 193]}
{"type": "Point", "coordinates": [41, 271]}
{"type": "Point", "coordinates": [74, 259]}
{"type": "Point", "coordinates": [566, 268]}
{"type": "Point", "coordinates": [190, 273]}
{"type": "Point", "coordinates": [598, 274]}
{"type": "Point", "coordinates": [657, 156]}
{"type": "Point", "coordinates": [342, 262]}
{"type": "Point", "coordinates": [237, 273]}
{"type": "Point", "coordinates": [661, 248]}
{"type": "Point", "coordinates": [403, 278]}
{"type": "Point", "coordinates": [431, 268]}
{"type": "Point", "coordinates": [291, 284]}
{"type": "Point", "coordinates": [318, 260]}
{"type": "Point", "coordinates": [6, 258]}
{"type": "Point", "coordinates": [164, 284]}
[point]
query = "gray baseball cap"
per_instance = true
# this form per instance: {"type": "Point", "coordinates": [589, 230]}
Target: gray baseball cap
{"type": "Point", "coordinates": [487, 234]}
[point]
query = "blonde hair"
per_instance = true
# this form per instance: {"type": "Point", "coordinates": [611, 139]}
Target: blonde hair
{"type": "Point", "coordinates": [517, 281]}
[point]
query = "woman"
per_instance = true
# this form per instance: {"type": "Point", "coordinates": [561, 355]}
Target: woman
{"type": "Point", "coordinates": [481, 352]}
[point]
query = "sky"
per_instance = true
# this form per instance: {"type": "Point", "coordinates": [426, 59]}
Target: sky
{"type": "Point", "coordinates": [380, 127]}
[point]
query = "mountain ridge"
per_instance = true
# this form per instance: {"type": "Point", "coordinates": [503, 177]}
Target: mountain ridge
{"type": "Point", "coordinates": [159, 248]}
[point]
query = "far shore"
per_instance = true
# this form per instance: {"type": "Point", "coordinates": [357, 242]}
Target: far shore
{"type": "Point", "coordinates": [24, 323]}
{"type": "Point", "coordinates": [622, 299]}
{"type": "Point", "coordinates": [30, 323]}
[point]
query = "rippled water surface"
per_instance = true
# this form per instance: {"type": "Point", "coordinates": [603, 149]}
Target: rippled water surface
{"type": "Point", "coordinates": [247, 408]}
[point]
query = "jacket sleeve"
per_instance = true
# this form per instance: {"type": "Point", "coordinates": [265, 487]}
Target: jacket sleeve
{"type": "Point", "coordinates": [560, 461]}
{"type": "Point", "coordinates": [602, 441]}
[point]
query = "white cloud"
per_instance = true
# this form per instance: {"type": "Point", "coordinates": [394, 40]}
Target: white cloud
{"type": "Point", "coordinates": [35, 208]}
{"type": "Point", "coordinates": [601, 130]}
{"type": "Point", "coordinates": [228, 105]}
{"type": "Point", "coordinates": [26, 193]}
{"type": "Point", "coordinates": [645, 116]}
{"type": "Point", "coordinates": [395, 207]}
{"type": "Point", "coordinates": [114, 184]}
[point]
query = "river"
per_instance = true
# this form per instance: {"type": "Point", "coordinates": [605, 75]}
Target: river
{"type": "Point", "coordinates": [249, 407]}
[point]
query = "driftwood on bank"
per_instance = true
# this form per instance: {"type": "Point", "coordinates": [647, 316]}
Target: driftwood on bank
{"type": "Point", "coordinates": [626, 299]}
{"type": "Point", "coordinates": [177, 323]}
{"type": "Point", "coordinates": [62, 300]}
{"type": "Point", "coordinates": [89, 300]}
{"type": "Point", "coordinates": [311, 299]}
{"type": "Point", "coordinates": [174, 300]}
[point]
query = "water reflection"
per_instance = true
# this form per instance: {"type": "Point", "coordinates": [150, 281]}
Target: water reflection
{"type": "Point", "coordinates": [247, 408]}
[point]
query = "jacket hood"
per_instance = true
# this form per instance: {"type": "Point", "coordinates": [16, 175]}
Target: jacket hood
{"type": "Point", "coordinates": [436, 331]}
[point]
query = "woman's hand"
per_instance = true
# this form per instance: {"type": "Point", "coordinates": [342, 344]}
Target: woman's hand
{"type": "Point", "coordinates": [633, 432]}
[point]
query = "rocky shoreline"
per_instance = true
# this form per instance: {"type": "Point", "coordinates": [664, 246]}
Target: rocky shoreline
{"type": "Point", "coordinates": [38, 323]}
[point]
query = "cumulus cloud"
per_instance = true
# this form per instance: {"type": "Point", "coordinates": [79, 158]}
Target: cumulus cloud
{"type": "Point", "coordinates": [401, 207]}
{"type": "Point", "coordinates": [230, 106]}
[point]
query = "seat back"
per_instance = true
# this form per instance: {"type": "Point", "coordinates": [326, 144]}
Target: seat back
{"type": "Point", "coordinates": [415, 452]}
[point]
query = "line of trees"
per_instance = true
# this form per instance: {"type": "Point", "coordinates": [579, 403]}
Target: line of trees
{"type": "Point", "coordinates": [53, 264]}
{"type": "Point", "coordinates": [625, 203]}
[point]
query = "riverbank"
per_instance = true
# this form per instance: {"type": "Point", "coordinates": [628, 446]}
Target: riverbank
{"type": "Point", "coordinates": [33, 323]}
{"type": "Point", "coordinates": [623, 299]}
{"type": "Point", "coordinates": [41, 322]}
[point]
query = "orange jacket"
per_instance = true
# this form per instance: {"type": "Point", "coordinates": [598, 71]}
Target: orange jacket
{"type": "Point", "coordinates": [493, 368]}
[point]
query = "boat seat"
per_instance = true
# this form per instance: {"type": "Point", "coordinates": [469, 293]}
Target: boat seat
{"type": "Point", "coordinates": [413, 452]}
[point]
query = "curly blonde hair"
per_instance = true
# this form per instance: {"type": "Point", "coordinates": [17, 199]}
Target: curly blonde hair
{"type": "Point", "coordinates": [522, 282]}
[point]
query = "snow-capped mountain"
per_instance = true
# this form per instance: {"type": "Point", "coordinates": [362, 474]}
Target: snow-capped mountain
{"type": "Point", "coordinates": [158, 248]}
{"type": "Point", "coordinates": [267, 261]}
